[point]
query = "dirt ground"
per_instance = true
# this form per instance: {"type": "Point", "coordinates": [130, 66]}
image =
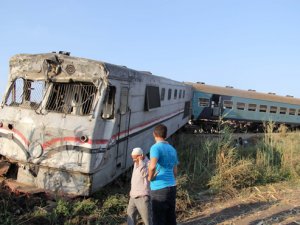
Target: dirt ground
{"type": "Point", "coordinates": [272, 204]}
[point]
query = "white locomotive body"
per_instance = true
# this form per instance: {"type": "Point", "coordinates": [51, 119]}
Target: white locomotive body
{"type": "Point", "coordinates": [68, 124]}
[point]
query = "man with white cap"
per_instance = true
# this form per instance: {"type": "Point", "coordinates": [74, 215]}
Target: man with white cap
{"type": "Point", "coordinates": [139, 201]}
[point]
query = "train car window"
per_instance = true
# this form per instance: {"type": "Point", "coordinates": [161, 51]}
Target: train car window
{"type": "Point", "coordinates": [298, 112]}
{"type": "Point", "coordinates": [152, 98]}
{"type": "Point", "coordinates": [251, 107]}
{"type": "Point", "coordinates": [71, 98]}
{"type": "Point", "coordinates": [162, 94]}
{"type": "Point", "coordinates": [175, 94]}
{"type": "Point", "coordinates": [183, 95]}
{"type": "Point", "coordinates": [292, 112]}
{"type": "Point", "coordinates": [180, 93]}
{"type": "Point", "coordinates": [109, 103]}
{"type": "Point", "coordinates": [203, 102]}
{"type": "Point", "coordinates": [263, 108]}
{"type": "Point", "coordinates": [169, 94]}
{"type": "Point", "coordinates": [26, 93]}
{"type": "Point", "coordinates": [227, 104]}
{"type": "Point", "coordinates": [124, 100]}
{"type": "Point", "coordinates": [273, 109]}
{"type": "Point", "coordinates": [282, 110]}
{"type": "Point", "coordinates": [240, 106]}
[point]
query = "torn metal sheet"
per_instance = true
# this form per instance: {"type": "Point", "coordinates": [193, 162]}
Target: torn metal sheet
{"type": "Point", "coordinates": [4, 167]}
{"type": "Point", "coordinates": [21, 188]}
{"type": "Point", "coordinates": [2, 179]}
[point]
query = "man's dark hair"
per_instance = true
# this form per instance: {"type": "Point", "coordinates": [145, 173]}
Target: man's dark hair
{"type": "Point", "coordinates": [161, 131]}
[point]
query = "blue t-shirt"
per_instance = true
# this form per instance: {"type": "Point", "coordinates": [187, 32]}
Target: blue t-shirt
{"type": "Point", "coordinates": [166, 157]}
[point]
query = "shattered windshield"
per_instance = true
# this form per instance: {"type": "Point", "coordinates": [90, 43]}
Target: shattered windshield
{"type": "Point", "coordinates": [26, 93]}
{"type": "Point", "coordinates": [69, 98]}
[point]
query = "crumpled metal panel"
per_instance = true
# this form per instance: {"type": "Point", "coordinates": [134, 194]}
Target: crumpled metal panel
{"type": "Point", "coordinates": [4, 166]}
{"type": "Point", "coordinates": [57, 67]}
{"type": "Point", "coordinates": [20, 188]}
{"type": "Point", "coordinates": [57, 181]}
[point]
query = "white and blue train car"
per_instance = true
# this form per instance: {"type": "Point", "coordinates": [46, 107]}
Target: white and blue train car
{"type": "Point", "coordinates": [68, 124]}
{"type": "Point", "coordinates": [247, 108]}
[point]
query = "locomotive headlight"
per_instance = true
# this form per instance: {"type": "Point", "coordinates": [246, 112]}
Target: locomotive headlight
{"type": "Point", "coordinates": [10, 126]}
{"type": "Point", "coordinates": [84, 138]}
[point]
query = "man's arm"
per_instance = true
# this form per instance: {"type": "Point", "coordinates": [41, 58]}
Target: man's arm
{"type": "Point", "coordinates": [151, 170]}
{"type": "Point", "coordinates": [143, 167]}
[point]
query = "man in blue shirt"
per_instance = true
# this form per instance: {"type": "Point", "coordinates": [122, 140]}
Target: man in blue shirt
{"type": "Point", "coordinates": [162, 173]}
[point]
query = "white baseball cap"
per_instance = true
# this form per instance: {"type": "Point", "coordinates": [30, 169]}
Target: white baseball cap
{"type": "Point", "coordinates": [137, 151]}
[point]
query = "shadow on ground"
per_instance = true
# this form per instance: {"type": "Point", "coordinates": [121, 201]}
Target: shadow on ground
{"type": "Point", "coordinates": [230, 213]}
{"type": "Point", "coordinates": [279, 217]}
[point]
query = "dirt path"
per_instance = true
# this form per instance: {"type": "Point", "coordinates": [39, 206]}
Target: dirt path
{"type": "Point", "coordinates": [272, 204]}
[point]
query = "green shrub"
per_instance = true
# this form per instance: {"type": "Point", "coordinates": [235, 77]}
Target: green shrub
{"type": "Point", "coordinates": [115, 204]}
{"type": "Point", "coordinates": [63, 208]}
{"type": "Point", "coordinates": [85, 207]}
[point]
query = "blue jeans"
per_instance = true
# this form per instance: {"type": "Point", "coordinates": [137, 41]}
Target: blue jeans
{"type": "Point", "coordinates": [163, 206]}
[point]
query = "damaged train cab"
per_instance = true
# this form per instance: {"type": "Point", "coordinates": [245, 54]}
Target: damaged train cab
{"type": "Point", "coordinates": [68, 124]}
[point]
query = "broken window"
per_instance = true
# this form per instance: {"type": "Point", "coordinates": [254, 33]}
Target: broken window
{"type": "Point", "coordinates": [227, 104]}
{"type": "Point", "coordinates": [273, 109]}
{"type": "Point", "coordinates": [109, 103]}
{"type": "Point", "coordinates": [203, 102]}
{"type": "Point", "coordinates": [252, 107]}
{"type": "Point", "coordinates": [282, 110]}
{"type": "Point", "coordinates": [152, 98]}
{"type": "Point", "coordinates": [292, 112]}
{"type": "Point", "coordinates": [263, 108]}
{"type": "Point", "coordinates": [71, 98]}
{"type": "Point", "coordinates": [26, 93]}
{"type": "Point", "coordinates": [240, 105]}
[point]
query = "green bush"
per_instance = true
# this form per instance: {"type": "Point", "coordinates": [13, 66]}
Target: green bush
{"type": "Point", "coordinates": [85, 207]}
{"type": "Point", "coordinates": [115, 204]}
{"type": "Point", "coordinates": [63, 208]}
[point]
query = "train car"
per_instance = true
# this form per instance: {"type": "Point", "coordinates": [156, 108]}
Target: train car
{"type": "Point", "coordinates": [243, 110]}
{"type": "Point", "coordinates": [68, 124]}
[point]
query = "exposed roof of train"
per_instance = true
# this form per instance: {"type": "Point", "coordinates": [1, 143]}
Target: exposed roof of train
{"type": "Point", "coordinates": [55, 66]}
{"type": "Point", "coordinates": [229, 91]}
{"type": "Point", "coordinates": [63, 68]}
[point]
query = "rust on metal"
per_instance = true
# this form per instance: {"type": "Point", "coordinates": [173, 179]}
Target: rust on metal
{"type": "Point", "coordinates": [4, 166]}
{"type": "Point", "coordinates": [20, 188]}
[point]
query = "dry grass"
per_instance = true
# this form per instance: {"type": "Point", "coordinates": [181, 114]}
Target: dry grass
{"type": "Point", "coordinates": [219, 165]}
{"type": "Point", "coordinates": [207, 165]}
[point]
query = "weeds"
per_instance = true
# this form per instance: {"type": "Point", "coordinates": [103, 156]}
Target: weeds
{"type": "Point", "coordinates": [183, 198]}
{"type": "Point", "coordinates": [218, 164]}
{"type": "Point", "coordinates": [211, 163]}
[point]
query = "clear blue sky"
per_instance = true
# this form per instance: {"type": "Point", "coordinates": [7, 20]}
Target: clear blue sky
{"type": "Point", "coordinates": [252, 44]}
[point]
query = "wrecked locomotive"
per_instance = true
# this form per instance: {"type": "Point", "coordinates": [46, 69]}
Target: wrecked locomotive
{"type": "Point", "coordinates": [67, 124]}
